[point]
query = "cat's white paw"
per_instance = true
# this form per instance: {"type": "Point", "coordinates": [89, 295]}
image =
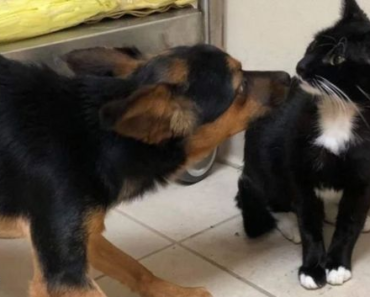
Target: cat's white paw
{"type": "Point", "coordinates": [338, 277]}
{"type": "Point", "coordinates": [308, 282]}
{"type": "Point", "coordinates": [287, 224]}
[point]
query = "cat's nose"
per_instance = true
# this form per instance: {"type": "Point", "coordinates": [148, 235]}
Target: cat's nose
{"type": "Point", "coordinates": [302, 67]}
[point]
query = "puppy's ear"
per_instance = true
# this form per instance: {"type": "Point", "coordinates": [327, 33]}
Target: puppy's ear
{"type": "Point", "coordinates": [101, 61]}
{"type": "Point", "coordinates": [151, 115]}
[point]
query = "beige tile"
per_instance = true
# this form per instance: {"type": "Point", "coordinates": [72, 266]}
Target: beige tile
{"type": "Point", "coordinates": [113, 288]}
{"type": "Point", "coordinates": [15, 267]}
{"type": "Point", "coordinates": [272, 262]}
{"type": "Point", "coordinates": [131, 237]}
{"type": "Point", "coordinates": [182, 267]}
{"type": "Point", "coordinates": [16, 262]}
{"type": "Point", "coordinates": [180, 211]}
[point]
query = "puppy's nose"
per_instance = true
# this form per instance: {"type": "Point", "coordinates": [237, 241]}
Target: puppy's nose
{"type": "Point", "coordinates": [282, 77]}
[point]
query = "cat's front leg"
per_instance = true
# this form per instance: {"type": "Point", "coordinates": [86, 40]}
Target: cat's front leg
{"type": "Point", "coordinates": [310, 212]}
{"type": "Point", "coordinates": [353, 210]}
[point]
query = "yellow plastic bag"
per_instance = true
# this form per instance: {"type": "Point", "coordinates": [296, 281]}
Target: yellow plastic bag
{"type": "Point", "coordinates": [142, 8]}
{"type": "Point", "coordinates": [27, 18]}
{"type": "Point", "coordinates": [20, 19]}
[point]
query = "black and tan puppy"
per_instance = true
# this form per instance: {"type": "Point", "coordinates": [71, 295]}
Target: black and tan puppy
{"type": "Point", "coordinates": [73, 148]}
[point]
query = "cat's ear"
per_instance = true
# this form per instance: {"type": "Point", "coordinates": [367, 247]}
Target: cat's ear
{"type": "Point", "coordinates": [351, 10]}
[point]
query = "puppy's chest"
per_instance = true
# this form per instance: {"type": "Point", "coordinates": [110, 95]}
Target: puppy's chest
{"type": "Point", "coordinates": [336, 123]}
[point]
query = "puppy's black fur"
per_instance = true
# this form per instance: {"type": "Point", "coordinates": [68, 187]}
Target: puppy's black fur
{"type": "Point", "coordinates": [70, 147]}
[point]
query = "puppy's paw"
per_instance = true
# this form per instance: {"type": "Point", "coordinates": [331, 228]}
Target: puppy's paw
{"type": "Point", "coordinates": [312, 278]}
{"type": "Point", "coordinates": [338, 276]}
{"type": "Point", "coordinates": [160, 288]}
{"type": "Point", "coordinates": [287, 224]}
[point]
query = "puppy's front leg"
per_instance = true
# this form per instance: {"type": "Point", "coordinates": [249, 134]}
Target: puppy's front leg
{"type": "Point", "coordinates": [60, 255]}
{"type": "Point", "coordinates": [111, 261]}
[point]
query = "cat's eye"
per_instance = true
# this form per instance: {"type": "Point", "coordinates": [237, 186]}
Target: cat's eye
{"type": "Point", "coordinates": [335, 60]}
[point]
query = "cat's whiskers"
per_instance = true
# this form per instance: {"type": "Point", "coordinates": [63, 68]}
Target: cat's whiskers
{"type": "Point", "coordinates": [367, 96]}
{"type": "Point", "coordinates": [345, 97]}
{"type": "Point", "coordinates": [330, 37]}
{"type": "Point", "coordinates": [333, 95]}
{"type": "Point", "coordinates": [326, 44]}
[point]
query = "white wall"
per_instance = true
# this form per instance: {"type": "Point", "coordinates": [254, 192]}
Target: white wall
{"type": "Point", "coordinates": [273, 35]}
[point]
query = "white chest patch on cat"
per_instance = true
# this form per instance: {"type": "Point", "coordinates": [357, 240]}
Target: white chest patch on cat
{"type": "Point", "coordinates": [336, 124]}
{"type": "Point", "coordinates": [329, 195]}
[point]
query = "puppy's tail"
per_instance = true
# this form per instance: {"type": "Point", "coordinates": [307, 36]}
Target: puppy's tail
{"type": "Point", "coordinates": [257, 218]}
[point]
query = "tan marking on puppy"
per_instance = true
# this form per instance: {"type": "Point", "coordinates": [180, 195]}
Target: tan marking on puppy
{"type": "Point", "coordinates": [130, 188]}
{"type": "Point", "coordinates": [153, 115]}
{"type": "Point", "coordinates": [13, 228]}
{"type": "Point", "coordinates": [236, 69]}
{"type": "Point", "coordinates": [126, 68]}
{"type": "Point", "coordinates": [178, 72]}
{"type": "Point", "coordinates": [94, 222]}
{"type": "Point", "coordinates": [233, 121]}
{"type": "Point", "coordinates": [234, 64]}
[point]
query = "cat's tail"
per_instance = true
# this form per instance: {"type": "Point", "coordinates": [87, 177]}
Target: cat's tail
{"type": "Point", "coordinates": [257, 219]}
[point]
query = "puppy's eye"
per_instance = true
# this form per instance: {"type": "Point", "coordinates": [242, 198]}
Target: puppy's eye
{"type": "Point", "coordinates": [335, 60]}
{"type": "Point", "coordinates": [241, 88]}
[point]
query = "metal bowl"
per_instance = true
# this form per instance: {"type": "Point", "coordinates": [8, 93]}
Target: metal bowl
{"type": "Point", "coordinates": [200, 170]}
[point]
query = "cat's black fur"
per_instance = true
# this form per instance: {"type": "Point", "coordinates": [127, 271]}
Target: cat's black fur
{"type": "Point", "coordinates": [285, 161]}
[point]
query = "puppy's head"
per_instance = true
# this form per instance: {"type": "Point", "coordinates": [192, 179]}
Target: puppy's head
{"type": "Point", "coordinates": [199, 94]}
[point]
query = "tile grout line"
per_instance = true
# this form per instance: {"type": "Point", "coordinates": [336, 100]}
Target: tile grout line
{"type": "Point", "coordinates": [209, 261]}
{"type": "Point", "coordinates": [142, 258]}
{"type": "Point", "coordinates": [169, 238]}
{"type": "Point", "coordinates": [180, 244]}
{"type": "Point", "coordinates": [209, 228]}
{"type": "Point", "coordinates": [145, 226]}
{"type": "Point", "coordinates": [100, 277]}
{"type": "Point", "coordinates": [233, 274]}
{"type": "Point", "coordinates": [156, 252]}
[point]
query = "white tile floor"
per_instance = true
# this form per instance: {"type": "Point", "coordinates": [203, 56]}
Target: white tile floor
{"type": "Point", "coordinates": [193, 236]}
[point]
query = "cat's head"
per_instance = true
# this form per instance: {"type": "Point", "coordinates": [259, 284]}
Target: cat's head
{"type": "Point", "coordinates": [337, 62]}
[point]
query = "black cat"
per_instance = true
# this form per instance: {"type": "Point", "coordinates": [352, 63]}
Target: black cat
{"type": "Point", "coordinates": [315, 151]}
